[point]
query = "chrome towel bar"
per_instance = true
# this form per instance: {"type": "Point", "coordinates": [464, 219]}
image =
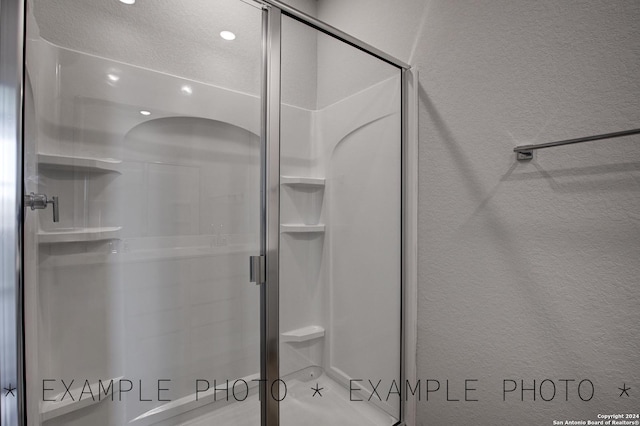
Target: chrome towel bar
{"type": "Point", "coordinates": [525, 152]}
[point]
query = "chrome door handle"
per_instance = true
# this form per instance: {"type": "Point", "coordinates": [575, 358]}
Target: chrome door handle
{"type": "Point", "coordinates": [257, 270]}
{"type": "Point", "coordinates": [40, 201]}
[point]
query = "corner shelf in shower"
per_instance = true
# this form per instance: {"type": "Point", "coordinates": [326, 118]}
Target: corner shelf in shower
{"type": "Point", "coordinates": [87, 164]}
{"type": "Point", "coordinates": [302, 334]}
{"type": "Point", "coordinates": [301, 181]}
{"type": "Point", "coordinates": [79, 235]}
{"type": "Point", "coordinates": [61, 406]}
{"type": "Point", "coordinates": [300, 228]}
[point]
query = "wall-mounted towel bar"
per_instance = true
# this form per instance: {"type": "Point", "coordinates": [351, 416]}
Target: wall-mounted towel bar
{"type": "Point", "coordinates": [525, 152]}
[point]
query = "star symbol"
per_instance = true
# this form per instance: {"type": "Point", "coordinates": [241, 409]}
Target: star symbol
{"type": "Point", "coordinates": [316, 390]}
{"type": "Point", "coordinates": [9, 390]}
{"type": "Point", "coordinates": [624, 390]}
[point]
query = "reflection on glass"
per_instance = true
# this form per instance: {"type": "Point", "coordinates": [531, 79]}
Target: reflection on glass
{"type": "Point", "coordinates": [340, 237]}
{"type": "Point", "coordinates": [147, 128]}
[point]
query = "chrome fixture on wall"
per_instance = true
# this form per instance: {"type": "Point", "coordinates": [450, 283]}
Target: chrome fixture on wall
{"type": "Point", "coordinates": [40, 202]}
{"type": "Point", "coordinates": [525, 152]}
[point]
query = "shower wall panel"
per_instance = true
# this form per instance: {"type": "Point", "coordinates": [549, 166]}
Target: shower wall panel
{"type": "Point", "coordinates": [144, 278]}
{"type": "Point", "coordinates": [340, 281]}
{"type": "Point", "coordinates": [363, 181]}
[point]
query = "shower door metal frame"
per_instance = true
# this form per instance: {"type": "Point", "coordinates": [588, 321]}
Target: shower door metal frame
{"type": "Point", "coordinates": [11, 211]}
{"type": "Point", "coordinates": [270, 219]}
{"type": "Point", "coordinates": [12, 373]}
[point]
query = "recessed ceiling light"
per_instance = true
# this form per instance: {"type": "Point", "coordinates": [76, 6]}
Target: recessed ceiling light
{"type": "Point", "coordinates": [113, 77]}
{"type": "Point", "coordinates": [187, 90]}
{"type": "Point", "coordinates": [227, 35]}
{"type": "Point", "coordinates": [128, 1]}
{"type": "Point", "coordinates": [143, 112]}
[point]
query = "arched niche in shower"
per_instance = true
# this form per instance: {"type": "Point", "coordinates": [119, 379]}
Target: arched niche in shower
{"type": "Point", "coordinates": [191, 176]}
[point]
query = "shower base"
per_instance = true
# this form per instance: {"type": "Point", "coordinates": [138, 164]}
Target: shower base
{"type": "Point", "coordinates": [301, 407]}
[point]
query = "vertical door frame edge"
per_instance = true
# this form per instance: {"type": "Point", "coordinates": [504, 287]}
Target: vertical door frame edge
{"type": "Point", "coordinates": [12, 18]}
{"type": "Point", "coordinates": [409, 298]}
{"type": "Point", "coordinates": [270, 235]}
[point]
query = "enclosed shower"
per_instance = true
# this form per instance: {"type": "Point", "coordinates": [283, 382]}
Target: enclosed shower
{"type": "Point", "coordinates": [214, 221]}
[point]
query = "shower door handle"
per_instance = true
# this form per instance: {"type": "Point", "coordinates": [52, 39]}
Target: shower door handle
{"type": "Point", "coordinates": [257, 270]}
{"type": "Point", "coordinates": [40, 202]}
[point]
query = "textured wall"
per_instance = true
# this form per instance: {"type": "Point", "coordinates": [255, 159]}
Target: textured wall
{"type": "Point", "coordinates": [388, 25]}
{"type": "Point", "coordinates": [526, 271]}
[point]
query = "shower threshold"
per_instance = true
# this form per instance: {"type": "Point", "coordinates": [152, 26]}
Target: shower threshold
{"type": "Point", "coordinates": [330, 405]}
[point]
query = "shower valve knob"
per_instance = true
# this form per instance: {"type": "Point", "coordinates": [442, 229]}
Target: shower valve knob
{"type": "Point", "coordinates": [40, 202]}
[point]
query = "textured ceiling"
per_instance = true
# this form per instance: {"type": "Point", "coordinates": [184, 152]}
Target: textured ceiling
{"type": "Point", "coordinates": [182, 37]}
{"type": "Point", "coordinates": [173, 36]}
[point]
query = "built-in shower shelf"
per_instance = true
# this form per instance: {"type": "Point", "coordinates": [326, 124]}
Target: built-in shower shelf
{"type": "Point", "coordinates": [299, 228]}
{"type": "Point", "coordinates": [303, 334]}
{"type": "Point", "coordinates": [63, 404]}
{"type": "Point", "coordinates": [301, 181]}
{"type": "Point", "coordinates": [79, 234]}
{"type": "Point", "coordinates": [79, 163]}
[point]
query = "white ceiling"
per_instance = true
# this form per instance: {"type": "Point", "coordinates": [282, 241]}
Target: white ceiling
{"type": "Point", "coordinates": [172, 36]}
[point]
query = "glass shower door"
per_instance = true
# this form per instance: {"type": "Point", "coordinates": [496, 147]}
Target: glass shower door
{"type": "Point", "coordinates": [142, 165]}
{"type": "Point", "coordinates": [340, 243]}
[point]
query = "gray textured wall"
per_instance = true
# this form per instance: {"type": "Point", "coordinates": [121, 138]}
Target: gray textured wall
{"type": "Point", "coordinates": [526, 271]}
